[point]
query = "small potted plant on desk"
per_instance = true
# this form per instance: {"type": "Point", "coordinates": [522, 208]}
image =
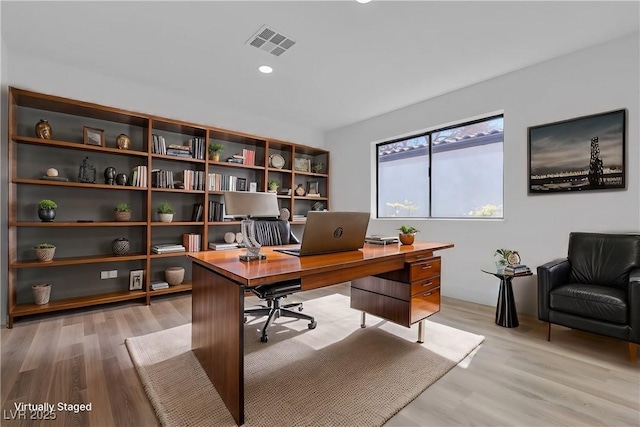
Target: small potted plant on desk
{"type": "Point", "coordinates": [407, 234]}
{"type": "Point", "coordinates": [214, 151]}
{"type": "Point", "coordinates": [122, 212]}
{"type": "Point", "coordinates": [165, 212]}
{"type": "Point", "coordinates": [47, 210]}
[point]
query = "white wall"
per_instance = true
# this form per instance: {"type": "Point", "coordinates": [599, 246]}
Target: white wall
{"type": "Point", "coordinates": [595, 80]}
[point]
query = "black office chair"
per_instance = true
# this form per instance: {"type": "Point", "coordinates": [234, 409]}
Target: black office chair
{"type": "Point", "coordinates": [275, 233]}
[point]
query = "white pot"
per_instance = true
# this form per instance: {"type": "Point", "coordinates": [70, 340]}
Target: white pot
{"type": "Point", "coordinates": [165, 217]}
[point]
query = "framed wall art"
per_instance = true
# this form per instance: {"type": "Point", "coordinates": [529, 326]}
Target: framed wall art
{"type": "Point", "coordinates": [136, 280]}
{"type": "Point", "coordinates": [93, 136]}
{"type": "Point", "coordinates": [581, 154]}
{"type": "Point", "coordinates": [302, 165]}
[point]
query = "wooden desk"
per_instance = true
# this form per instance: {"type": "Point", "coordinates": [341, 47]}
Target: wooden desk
{"type": "Point", "coordinates": [219, 280]}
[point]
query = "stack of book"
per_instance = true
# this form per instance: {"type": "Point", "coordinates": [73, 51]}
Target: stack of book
{"type": "Point", "coordinates": [381, 240]}
{"type": "Point", "coordinates": [159, 284]}
{"type": "Point", "coordinates": [299, 218]}
{"type": "Point", "coordinates": [249, 157]}
{"type": "Point", "coordinates": [516, 269]}
{"type": "Point", "coordinates": [166, 248]}
{"type": "Point", "coordinates": [179, 150]}
{"type": "Point", "coordinates": [222, 246]}
{"type": "Point", "coordinates": [191, 242]}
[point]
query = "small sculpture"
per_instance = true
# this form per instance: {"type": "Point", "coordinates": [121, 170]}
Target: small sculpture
{"type": "Point", "coordinates": [121, 179]}
{"type": "Point", "coordinates": [110, 175]}
{"type": "Point", "coordinates": [43, 129]}
{"type": "Point", "coordinates": [123, 142]}
{"type": "Point", "coordinates": [52, 172]}
{"type": "Point", "coordinates": [86, 172]}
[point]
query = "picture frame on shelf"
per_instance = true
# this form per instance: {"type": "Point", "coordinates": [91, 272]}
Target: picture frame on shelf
{"type": "Point", "coordinates": [253, 187]}
{"type": "Point", "coordinates": [302, 164]}
{"type": "Point", "coordinates": [313, 188]}
{"type": "Point", "coordinates": [580, 154]}
{"type": "Point", "coordinates": [136, 280]}
{"type": "Point", "coordinates": [241, 184]}
{"type": "Point", "coordinates": [93, 136]}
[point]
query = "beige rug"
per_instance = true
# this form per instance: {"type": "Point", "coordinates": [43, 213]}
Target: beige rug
{"type": "Point", "coordinates": [336, 375]}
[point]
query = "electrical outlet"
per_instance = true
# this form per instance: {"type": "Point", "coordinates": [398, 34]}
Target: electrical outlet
{"type": "Point", "coordinates": [113, 274]}
{"type": "Point", "coordinates": [104, 274]}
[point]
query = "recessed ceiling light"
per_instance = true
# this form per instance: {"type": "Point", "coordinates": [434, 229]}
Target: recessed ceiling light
{"type": "Point", "coordinates": [363, 1]}
{"type": "Point", "coordinates": [265, 69]}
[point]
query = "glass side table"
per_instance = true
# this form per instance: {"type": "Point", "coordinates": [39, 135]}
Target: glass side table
{"type": "Point", "coordinates": [506, 314]}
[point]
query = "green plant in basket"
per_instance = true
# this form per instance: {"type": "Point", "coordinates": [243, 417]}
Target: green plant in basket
{"type": "Point", "coordinates": [44, 246]}
{"type": "Point", "coordinates": [123, 207]}
{"type": "Point", "coordinates": [165, 208]}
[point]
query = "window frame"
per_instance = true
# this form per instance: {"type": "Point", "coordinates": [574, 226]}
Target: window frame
{"type": "Point", "coordinates": [428, 134]}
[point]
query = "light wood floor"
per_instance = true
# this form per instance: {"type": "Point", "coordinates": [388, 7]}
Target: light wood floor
{"type": "Point", "coordinates": [517, 378]}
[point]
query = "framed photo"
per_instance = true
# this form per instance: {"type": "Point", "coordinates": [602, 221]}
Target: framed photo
{"type": "Point", "coordinates": [93, 136]}
{"type": "Point", "coordinates": [241, 184]}
{"type": "Point", "coordinates": [136, 280]}
{"type": "Point", "coordinates": [313, 187]}
{"type": "Point", "coordinates": [581, 154]}
{"type": "Point", "coordinates": [302, 165]}
{"type": "Point", "coordinates": [253, 187]}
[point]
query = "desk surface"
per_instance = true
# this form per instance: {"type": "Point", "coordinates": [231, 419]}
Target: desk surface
{"type": "Point", "coordinates": [279, 266]}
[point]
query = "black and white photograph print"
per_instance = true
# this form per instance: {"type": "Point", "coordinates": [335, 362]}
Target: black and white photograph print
{"type": "Point", "coordinates": [93, 136]}
{"type": "Point", "coordinates": [136, 280]}
{"type": "Point", "coordinates": [585, 153]}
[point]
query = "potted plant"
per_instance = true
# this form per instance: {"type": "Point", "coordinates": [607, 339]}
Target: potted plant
{"type": "Point", "coordinates": [47, 210]}
{"type": "Point", "coordinates": [122, 212]}
{"type": "Point", "coordinates": [502, 258]}
{"type": "Point", "coordinates": [407, 234]}
{"type": "Point", "coordinates": [165, 212]}
{"type": "Point", "coordinates": [214, 151]}
{"type": "Point", "coordinates": [45, 251]}
{"type": "Point", "coordinates": [272, 186]}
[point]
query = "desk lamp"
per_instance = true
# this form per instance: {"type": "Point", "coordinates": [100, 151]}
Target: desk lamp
{"type": "Point", "coordinates": [251, 205]}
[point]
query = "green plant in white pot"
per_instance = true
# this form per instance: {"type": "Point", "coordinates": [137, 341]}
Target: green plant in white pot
{"type": "Point", "coordinates": [165, 212]}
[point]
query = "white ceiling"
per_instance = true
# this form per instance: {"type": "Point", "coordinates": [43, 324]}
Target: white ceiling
{"type": "Point", "coordinates": [351, 61]}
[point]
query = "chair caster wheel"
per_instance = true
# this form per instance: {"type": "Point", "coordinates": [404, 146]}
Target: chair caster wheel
{"type": "Point", "coordinates": [245, 319]}
{"type": "Point", "coordinates": [313, 325]}
{"type": "Point", "coordinates": [300, 308]}
{"type": "Point", "coordinates": [264, 338]}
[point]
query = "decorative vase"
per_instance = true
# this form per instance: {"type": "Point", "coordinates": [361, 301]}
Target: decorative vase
{"type": "Point", "coordinates": [46, 215]}
{"type": "Point", "coordinates": [43, 129]}
{"type": "Point", "coordinates": [229, 237]}
{"type": "Point", "coordinates": [110, 175]}
{"type": "Point", "coordinates": [165, 217]}
{"type": "Point", "coordinates": [123, 142]}
{"type": "Point", "coordinates": [121, 246]}
{"type": "Point", "coordinates": [407, 239]}
{"type": "Point", "coordinates": [174, 275]}
{"type": "Point", "coordinates": [122, 216]}
{"type": "Point", "coordinates": [45, 254]}
{"type": "Point", "coordinates": [121, 179]}
{"type": "Point", "coordinates": [215, 157]}
{"type": "Point", "coordinates": [41, 293]}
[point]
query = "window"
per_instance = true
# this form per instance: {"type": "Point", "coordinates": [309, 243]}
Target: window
{"type": "Point", "coordinates": [454, 172]}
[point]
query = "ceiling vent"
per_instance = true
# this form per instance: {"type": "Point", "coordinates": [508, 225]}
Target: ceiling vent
{"type": "Point", "coordinates": [271, 40]}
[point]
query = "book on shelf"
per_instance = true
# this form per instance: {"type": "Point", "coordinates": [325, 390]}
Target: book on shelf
{"type": "Point", "coordinates": [166, 248]}
{"type": "Point", "coordinates": [221, 246]}
{"type": "Point", "coordinates": [191, 242]}
{"type": "Point", "coordinates": [159, 284]}
{"type": "Point", "coordinates": [196, 213]}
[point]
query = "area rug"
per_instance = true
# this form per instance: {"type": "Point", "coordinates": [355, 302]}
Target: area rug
{"type": "Point", "coordinates": [335, 375]}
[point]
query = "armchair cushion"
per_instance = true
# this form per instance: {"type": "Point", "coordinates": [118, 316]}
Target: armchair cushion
{"type": "Point", "coordinates": [603, 259]}
{"type": "Point", "coordinates": [597, 302]}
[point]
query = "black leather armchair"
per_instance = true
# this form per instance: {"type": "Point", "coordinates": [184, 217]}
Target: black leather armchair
{"type": "Point", "coordinates": [596, 288]}
{"type": "Point", "coordinates": [276, 233]}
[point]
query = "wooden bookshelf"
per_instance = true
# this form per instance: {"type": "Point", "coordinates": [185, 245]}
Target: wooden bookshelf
{"type": "Point", "coordinates": [87, 244]}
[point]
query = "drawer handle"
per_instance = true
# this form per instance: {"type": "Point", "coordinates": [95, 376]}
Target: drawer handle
{"type": "Point", "coordinates": [426, 294]}
{"type": "Point", "coordinates": [426, 266]}
{"type": "Point", "coordinates": [427, 284]}
{"type": "Point", "coordinates": [421, 258]}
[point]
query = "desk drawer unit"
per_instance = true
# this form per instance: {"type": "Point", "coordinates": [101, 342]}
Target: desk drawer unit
{"type": "Point", "coordinates": [405, 296]}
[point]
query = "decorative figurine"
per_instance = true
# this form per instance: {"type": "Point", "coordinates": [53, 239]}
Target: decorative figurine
{"type": "Point", "coordinates": [87, 173]}
{"type": "Point", "coordinates": [43, 129]}
{"type": "Point", "coordinates": [123, 142]}
{"type": "Point", "coordinates": [121, 179]}
{"type": "Point", "coordinates": [110, 175]}
{"type": "Point", "coordinates": [52, 172]}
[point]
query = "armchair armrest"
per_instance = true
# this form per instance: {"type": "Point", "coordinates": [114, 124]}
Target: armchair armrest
{"type": "Point", "coordinates": [550, 275]}
{"type": "Point", "coordinates": [634, 306]}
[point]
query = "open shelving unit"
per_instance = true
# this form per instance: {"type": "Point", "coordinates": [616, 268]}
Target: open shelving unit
{"type": "Point", "coordinates": [83, 249]}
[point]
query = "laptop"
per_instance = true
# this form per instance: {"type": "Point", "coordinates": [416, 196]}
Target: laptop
{"type": "Point", "coordinates": [326, 232]}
